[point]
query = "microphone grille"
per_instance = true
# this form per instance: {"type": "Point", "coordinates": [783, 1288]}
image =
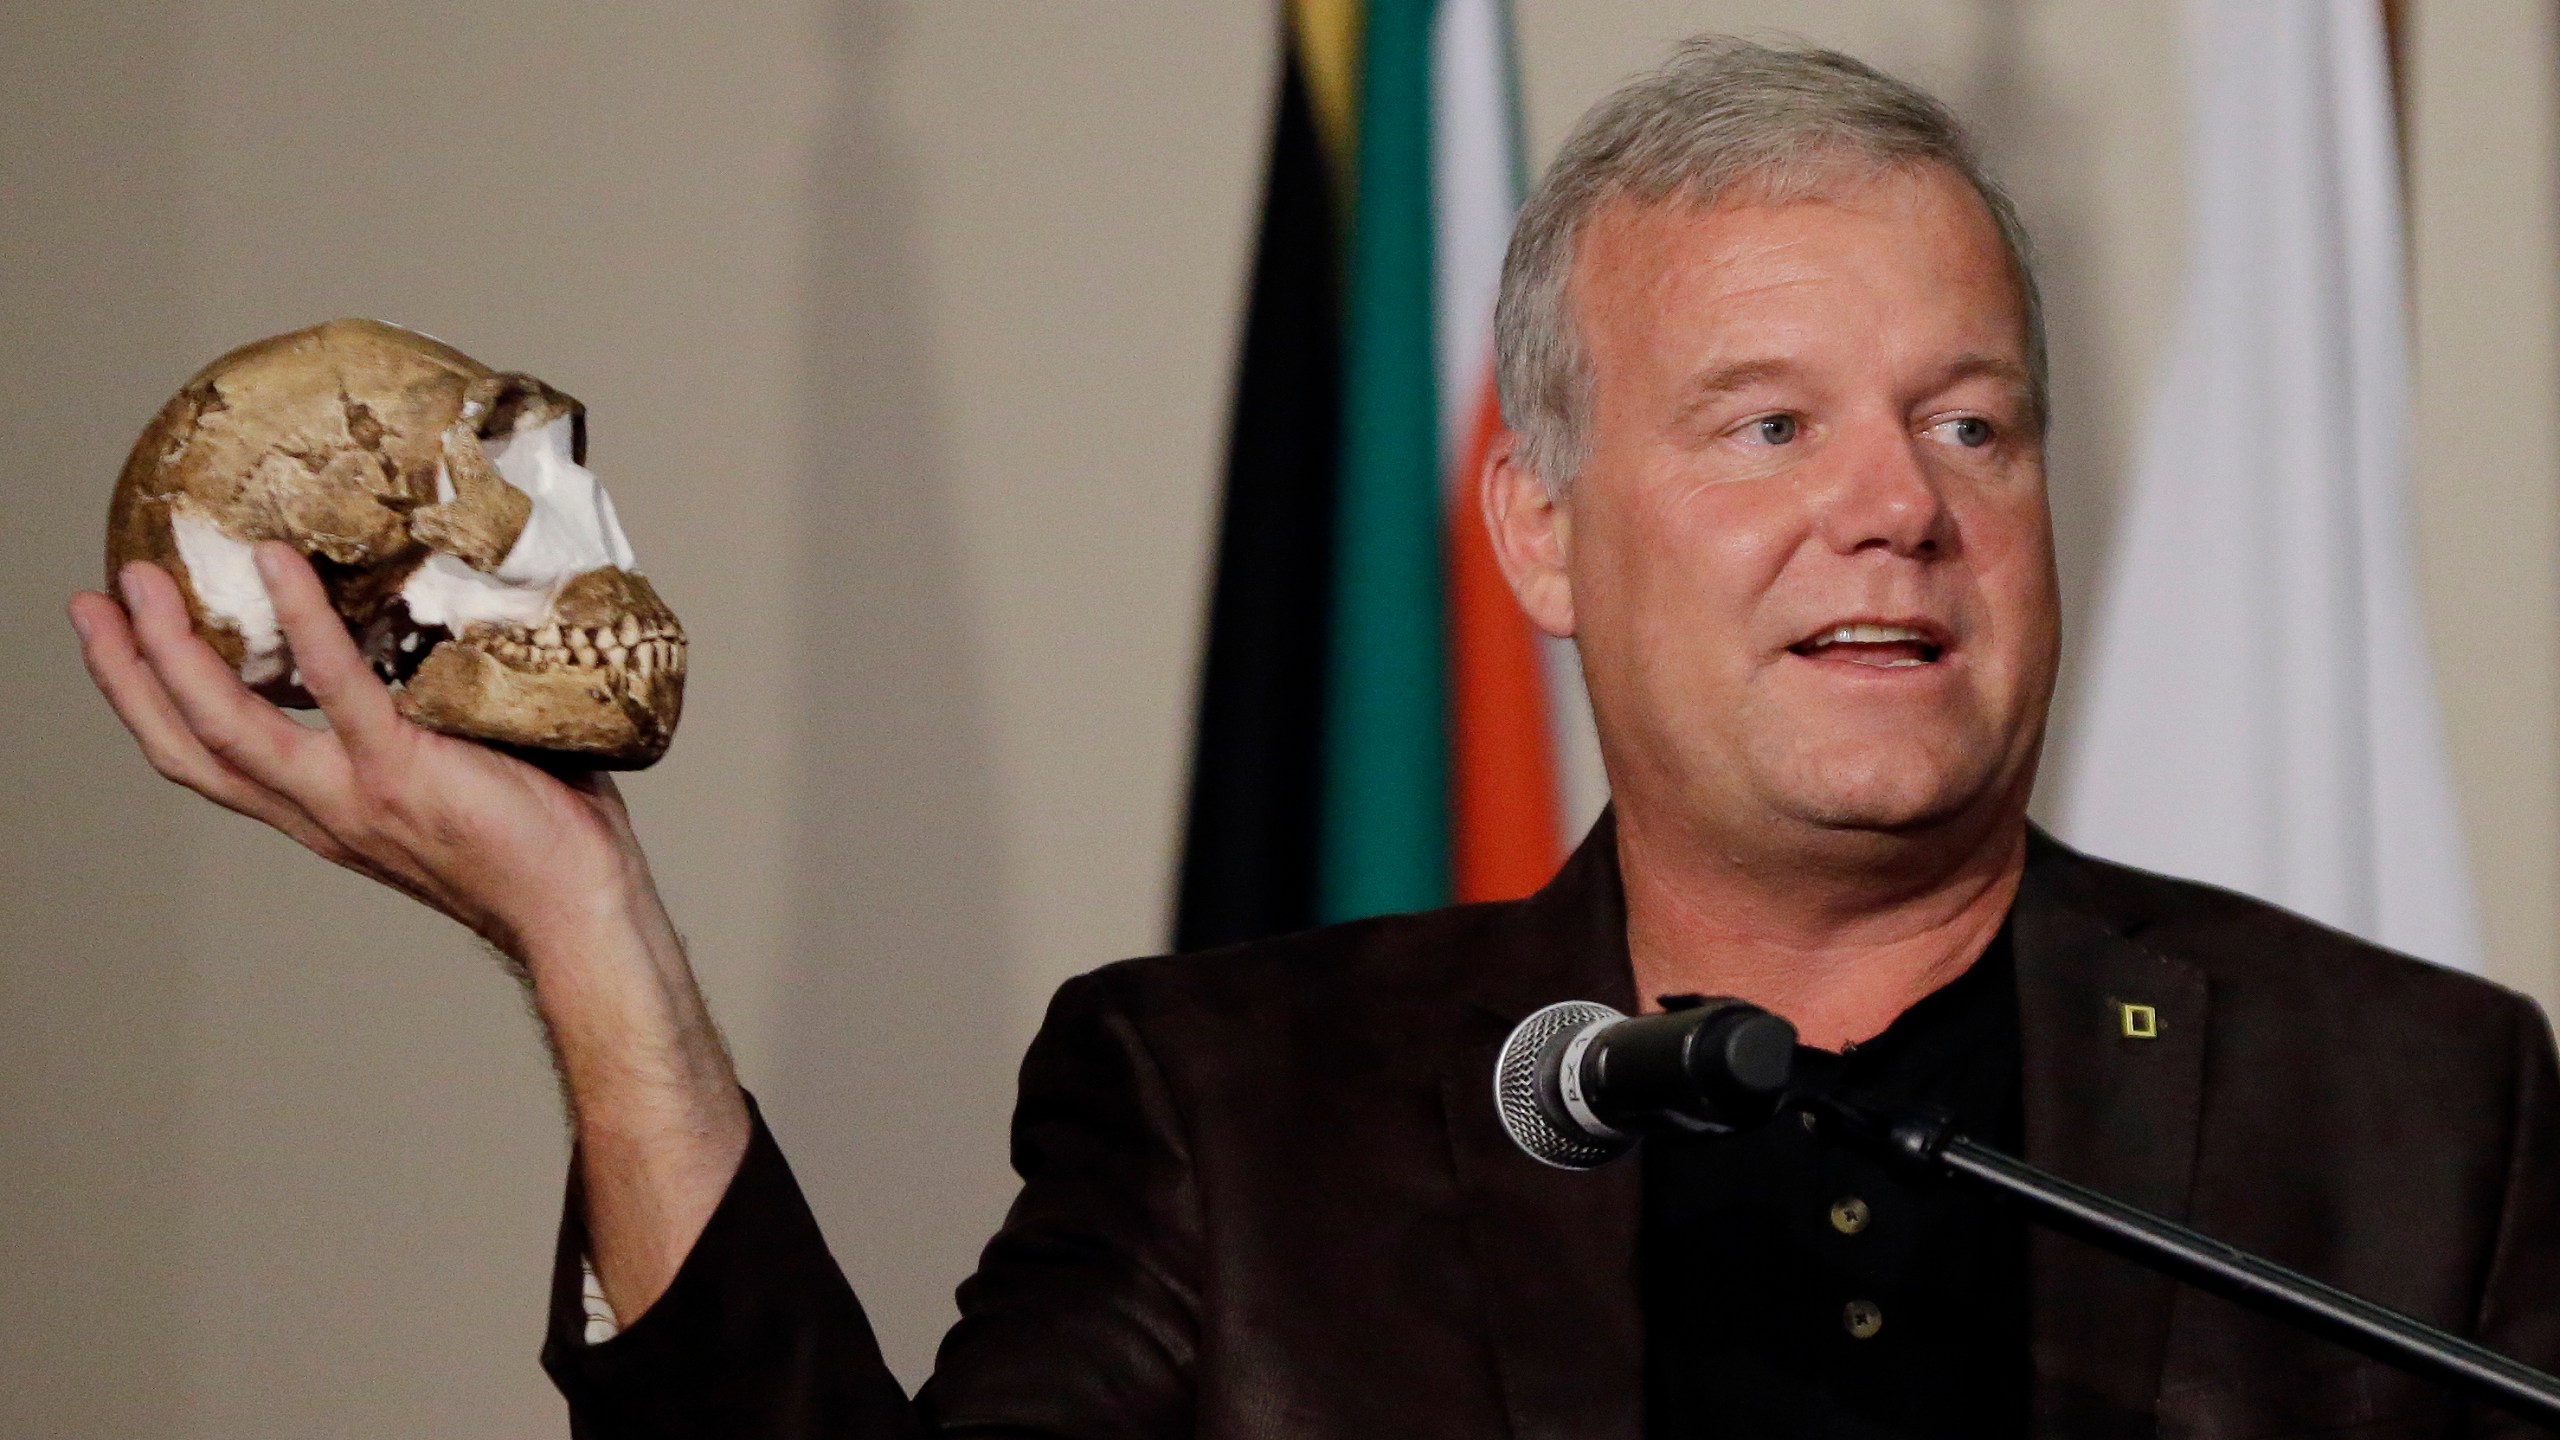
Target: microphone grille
{"type": "Point", "coordinates": [1521, 1078]}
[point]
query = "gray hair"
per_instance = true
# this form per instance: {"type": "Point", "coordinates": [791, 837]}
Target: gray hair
{"type": "Point", "coordinates": [1719, 115]}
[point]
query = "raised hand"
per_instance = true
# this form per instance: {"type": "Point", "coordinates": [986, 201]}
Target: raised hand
{"type": "Point", "coordinates": [545, 867]}
{"type": "Point", "coordinates": [488, 839]}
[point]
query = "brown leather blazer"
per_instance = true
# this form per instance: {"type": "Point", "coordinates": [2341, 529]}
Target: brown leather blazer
{"type": "Point", "coordinates": [1265, 1194]}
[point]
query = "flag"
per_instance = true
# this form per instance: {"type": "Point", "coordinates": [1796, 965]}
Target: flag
{"type": "Point", "coordinates": [2258, 710]}
{"type": "Point", "coordinates": [1379, 728]}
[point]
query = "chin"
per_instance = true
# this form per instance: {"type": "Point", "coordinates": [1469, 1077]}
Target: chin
{"type": "Point", "coordinates": [1882, 790]}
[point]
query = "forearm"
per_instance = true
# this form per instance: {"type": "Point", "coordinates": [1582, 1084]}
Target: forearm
{"type": "Point", "coordinates": [652, 1096]}
{"type": "Point", "coordinates": [541, 863]}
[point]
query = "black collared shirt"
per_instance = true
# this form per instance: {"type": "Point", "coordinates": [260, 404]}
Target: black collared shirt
{"type": "Point", "coordinates": [1793, 1288]}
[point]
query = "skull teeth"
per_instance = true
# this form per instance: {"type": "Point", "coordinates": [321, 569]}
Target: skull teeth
{"type": "Point", "coordinates": [628, 647]}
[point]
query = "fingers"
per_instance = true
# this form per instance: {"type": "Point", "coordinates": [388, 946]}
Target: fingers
{"type": "Point", "coordinates": [142, 703]}
{"type": "Point", "coordinates": [116, 666]}
{"type": "Point", "coordinates": [358, 704]}
{"type": "Point", "coordinates": [244, 731]}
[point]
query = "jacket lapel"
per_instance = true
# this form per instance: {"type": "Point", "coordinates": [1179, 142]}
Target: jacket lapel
{"type": "Point", "coordinates": [2113, 1098]}
{"type": "Point", "coordinates": [1557, 1249]}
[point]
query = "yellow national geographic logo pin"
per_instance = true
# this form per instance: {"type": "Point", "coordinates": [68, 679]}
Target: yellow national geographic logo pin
{"type": "Point", "coordinates": [2141, 1022]}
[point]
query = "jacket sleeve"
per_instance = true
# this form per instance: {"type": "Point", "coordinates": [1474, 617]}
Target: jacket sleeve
{"type": "Point", "coordinates": [758, 1336]}
{"type": "Point", "coordinates": [1079, 1322]}
{"type": "Point", "coordinates": [1083, 1317]}
{"type": "Point", "coordinates": [2520, 1303]}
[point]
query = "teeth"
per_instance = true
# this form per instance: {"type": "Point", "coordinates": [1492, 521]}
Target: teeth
{"type": "Point", "coordinates": [627, 644]}
{"type": "Point", "coordinates": [1870, 635]}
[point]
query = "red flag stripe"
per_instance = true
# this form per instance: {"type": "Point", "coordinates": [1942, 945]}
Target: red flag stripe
{"type": "Point", "coordinates": [1504, 828]}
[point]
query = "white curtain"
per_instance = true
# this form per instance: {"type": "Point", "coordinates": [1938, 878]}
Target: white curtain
{"type": "Point", "coordinates": [2260, 712]}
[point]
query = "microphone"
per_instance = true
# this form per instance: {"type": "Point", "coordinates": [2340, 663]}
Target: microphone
{"type": "Point", "coordinates": [1578, 1083]}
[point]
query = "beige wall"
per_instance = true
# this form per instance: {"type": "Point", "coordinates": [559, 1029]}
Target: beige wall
{"type": "Point", "coordinates": [907, 329]}
{"type": "Point", "coordinates": [2484, 172]}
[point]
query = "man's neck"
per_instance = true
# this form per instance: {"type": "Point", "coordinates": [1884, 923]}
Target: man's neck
{"type": "Point", "coordinates": [1839, 944]}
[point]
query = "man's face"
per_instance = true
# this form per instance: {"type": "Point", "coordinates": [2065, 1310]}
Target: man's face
{"type": "Point", "coordinates": [1808, 558]}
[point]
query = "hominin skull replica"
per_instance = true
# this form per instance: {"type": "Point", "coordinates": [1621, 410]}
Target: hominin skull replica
{"type": "Point", "coordinates": [447, 509]}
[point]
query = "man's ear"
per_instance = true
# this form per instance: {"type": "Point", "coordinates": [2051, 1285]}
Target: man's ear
{"type": "Point", "coordinates": [1531, 533]}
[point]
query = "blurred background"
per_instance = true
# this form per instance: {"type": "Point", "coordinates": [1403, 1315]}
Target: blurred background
{"type": "Point", "coordinates": [908, 332]}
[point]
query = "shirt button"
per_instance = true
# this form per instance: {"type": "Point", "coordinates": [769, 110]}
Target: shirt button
{"type": "Point", "coordinates": [1849, 1215]}
{"type": "Point", "coordinates": [1861, 1319]}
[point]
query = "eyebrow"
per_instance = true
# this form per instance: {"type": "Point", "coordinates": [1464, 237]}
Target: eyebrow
{"type": "Point", "coordinates": [1740, 375]}
{"type": "Point", "coordinates": [1743, 374]}
{"type": "Point", "coordinates": [1725, 380]}
{"type": "Point", "coordinates": [1989, 367]}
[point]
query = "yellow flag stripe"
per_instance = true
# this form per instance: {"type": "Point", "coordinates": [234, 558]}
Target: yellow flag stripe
{"type": "Point", "coordinates": [1327, 33]}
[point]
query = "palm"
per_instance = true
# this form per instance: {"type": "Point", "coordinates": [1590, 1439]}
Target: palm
{"type": "Point", "coordinates": [487, 823]}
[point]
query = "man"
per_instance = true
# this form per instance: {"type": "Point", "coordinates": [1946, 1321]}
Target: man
{"type": "Point", "coordinates": [1773, 371]}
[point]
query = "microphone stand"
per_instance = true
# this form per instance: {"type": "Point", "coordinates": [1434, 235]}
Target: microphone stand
{"type": "Point", "coordinates": [1930, 1144]}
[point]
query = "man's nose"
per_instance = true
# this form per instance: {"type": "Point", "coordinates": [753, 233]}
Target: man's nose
{"type": "Point", "coordinates": [1878, 494]}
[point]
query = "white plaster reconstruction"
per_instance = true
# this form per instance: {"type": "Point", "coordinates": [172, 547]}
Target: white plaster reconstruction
{"type": "Point", "coordinates": [571, 531]}
{"type": "Point", "coordinates": [224, 576]}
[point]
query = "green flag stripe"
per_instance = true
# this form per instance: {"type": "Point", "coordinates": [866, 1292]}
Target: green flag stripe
{"type": "Point", "coordinates": [1385, 829]}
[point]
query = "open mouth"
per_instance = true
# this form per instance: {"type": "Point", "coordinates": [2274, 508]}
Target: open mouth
{"type": "Point", "coordinates": [1876, 645]}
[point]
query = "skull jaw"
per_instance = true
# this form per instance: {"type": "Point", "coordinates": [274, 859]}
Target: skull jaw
{"type": "Point", "coordinates": [584, 716]}
{"type": "Point", "coordinates": [600, 683]}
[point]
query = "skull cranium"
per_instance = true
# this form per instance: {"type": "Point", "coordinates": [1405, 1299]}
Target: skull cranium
{"type": "Point", "coordinates": [473, 557]}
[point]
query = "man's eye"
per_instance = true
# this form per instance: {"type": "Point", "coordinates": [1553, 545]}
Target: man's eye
{"type": "Point", "coordinates": [1775, 429]}
{"type": "Point", "coordinates": [1972, 431]}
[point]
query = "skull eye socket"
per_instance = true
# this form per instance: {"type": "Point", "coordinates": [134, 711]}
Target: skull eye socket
{"type": "Point", "coordinates": [513, 403]}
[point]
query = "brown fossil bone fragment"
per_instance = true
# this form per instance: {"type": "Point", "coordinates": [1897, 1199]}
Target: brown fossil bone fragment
{"type": "Point", "coordinates": [451, 517]}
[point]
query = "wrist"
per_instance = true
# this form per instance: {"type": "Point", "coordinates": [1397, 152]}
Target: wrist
{"type": "Point", "coordinates": [608, 918]}
{"type": "Point", "coordinates": [617, 997]}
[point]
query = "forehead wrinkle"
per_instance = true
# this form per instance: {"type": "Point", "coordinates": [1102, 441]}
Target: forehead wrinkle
{"type": "Point", "coordinates": [1736, 274]}
{"type": "Point", "coordinates": [1672, 278]}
